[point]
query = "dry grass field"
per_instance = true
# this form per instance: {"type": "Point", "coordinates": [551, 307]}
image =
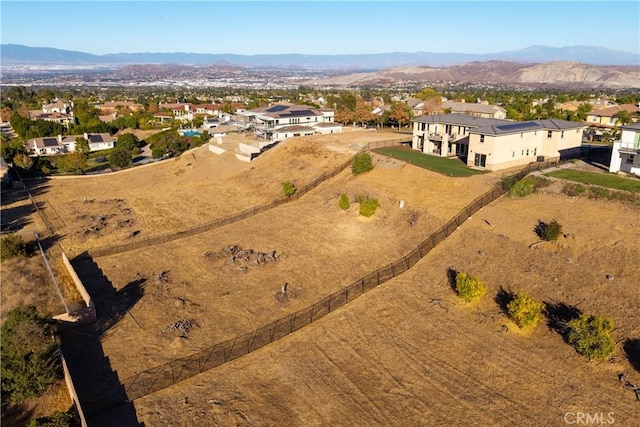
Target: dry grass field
{"type": "Point", "coordinates": [406, 353]}
{"type": "Point", "coordinates": [410, 353]}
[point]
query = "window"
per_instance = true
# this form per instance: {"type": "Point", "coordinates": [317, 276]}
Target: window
{"type": "Point", "coordinates": [513, 154]}
{"type": "Point", "coordinates": [481, 138]}
{"type": "Point", "coordinates": [522, 135]}
{"type": "Point", "coordinates": [527, 151]}
{"type": "Point", "coordinates": [549, 134]}
{"type": "Point", "coordinates": [630, 158]}
{"type": "Point", "coordinates": [535, 151]}
{"type": "Point", "coordinates": [562, 134]}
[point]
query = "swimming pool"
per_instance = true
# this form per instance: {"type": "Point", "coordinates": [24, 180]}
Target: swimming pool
{"type": "Point", "coordinates": [191, 133]}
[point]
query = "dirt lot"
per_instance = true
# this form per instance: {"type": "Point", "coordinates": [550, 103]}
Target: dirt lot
{"type": "Point", "coordinates": [407, 353]}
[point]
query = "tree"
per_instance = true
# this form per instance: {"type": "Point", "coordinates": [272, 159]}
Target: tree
{"type": "Point", "coordinates": [400, 113]}
{"type": "Point", "coordinates": [469, 288]}
{"type": "Point", "coordinates": [525, 311]}
{"type": "Point", "coordinates": [363, 113]}
{"type": "Point", "coordinates": [23, 161]}
{"type": "Point", "coordinates": [431, 101]}
{"type": "Point", "coordinates": [30, 362]}
{"type": "Point", "coordinates": [72, 162]}
{"type": "Point", "coordinates": [120, 157]}
{"type": "Point", "coordinates": [82, 145]}
{"type": "Point", "coordinates": [590, 335]}
{"type": "Point", "coordinates": [127, 141]}
{"type": "Point", "coordinates": [622, 117]}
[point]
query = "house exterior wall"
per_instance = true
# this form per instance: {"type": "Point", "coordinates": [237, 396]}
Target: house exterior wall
{"type": "Point", "coordinates": [505, 151]}
{"type": "Point", "coordinates": [561, 143]}
{"type": "Point", "coordinates": [625, 156]}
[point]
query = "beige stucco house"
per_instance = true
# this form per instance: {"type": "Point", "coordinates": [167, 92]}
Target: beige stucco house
{"type": "Point", "coordinates": [495, 144]}
{"type": "Point", "coordinates": [517, 144]}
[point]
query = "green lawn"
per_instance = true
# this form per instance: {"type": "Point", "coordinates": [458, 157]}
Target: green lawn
{"type": "Point", "coordinates": [601, 179]}
{"type": "Point", "coordinates": [443, 165]}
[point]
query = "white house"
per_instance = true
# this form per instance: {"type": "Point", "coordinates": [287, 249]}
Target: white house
{"type": "Point", "coordinates": [52, 145]}
{"type": "Point", "coordinates": [625, 156]}
{"type": "Point", "coordinates": [281, 121]}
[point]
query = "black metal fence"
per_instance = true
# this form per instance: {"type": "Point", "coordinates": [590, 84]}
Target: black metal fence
{"type": "Point", "coordinates": [177, 370]}
{"type": "Point", "coordinates": [219, 222]}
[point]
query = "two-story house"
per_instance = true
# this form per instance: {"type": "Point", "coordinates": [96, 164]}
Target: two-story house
{"type": "Point", "coordinates": [495, 144]}
{"type": "Point", "coordinates": [625, 156]}
{"type": "Point", "coordinates": [605, 119]}
{"type": "Point", "coordinates": [281, 121]}
{"type": "Point", "coordinates": [515, 144]}
{"type": "Point", "coordinates": [57, 112]}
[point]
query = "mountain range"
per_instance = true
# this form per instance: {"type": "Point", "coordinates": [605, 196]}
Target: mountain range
{"type": "Point", "coordinates": [16, 55]}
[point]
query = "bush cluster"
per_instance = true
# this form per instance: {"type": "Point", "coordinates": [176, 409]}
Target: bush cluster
{"type": "Point", "coordinates": [30, 362]}
{"type": "Point", "coordinates": [469, 287]}
{"type": "Point", "coordinates": [590, 335]}
{"type": "Point", "coordinates": [12, 246]}
{"type": "Point", "coordinates": [344, 202]}
{"type": "Point", "coordinates": [362, 163]}
{"type": "Point", "coordinates": [549, 231]}
{"type": "Point", "coordinates": [525, 311]}
{"type": "Point", "coordinates": [288, 188]}
{"type": "Point", "coordinates": [368, 205]}
{"type": "Point", "coordinates": [527, 186]}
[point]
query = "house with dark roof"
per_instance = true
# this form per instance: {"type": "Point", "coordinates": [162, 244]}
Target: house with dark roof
{"type": "Point", "coordinates": [504, 146]}
{"type": "Point", "coordinates": [281, 121]}
{"type": "Point", "coordinates": [625, 156]}
{"type": "Point", "coordinates": [52, 145]}
{"type": "Point", "coordinates": [495, 144]}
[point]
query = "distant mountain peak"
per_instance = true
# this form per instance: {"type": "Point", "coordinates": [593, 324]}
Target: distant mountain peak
{"type": "Point", "coordinates": [14, 54]}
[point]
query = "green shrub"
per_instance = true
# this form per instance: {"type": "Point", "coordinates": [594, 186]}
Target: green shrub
{"type": "Point", "coordinates": [362, 163]}
{"type": "Point", "coordinates": [12, 246]}
{"type": "Point", "coordinates": [527, 186]}
{"type": "Point", "coordinates": [30, 362]}
{"type": "Point", "coordinates": [57, 419]}
{"type": "Point", "coordinates": [120, 157]}
{"type": "Point", "coordinates": [525, 311]}
{"type": "Point", "coordinates": [590, 335]}
{"type": "Point", "coordinates": [344, 202]}
{"type": "Point", "coordinates": [288, 188]}
{"type": "Point", "coordinates": [549, 231]}
{"type": "Point", "coordinates": [368, 205]}
{"type": "Point", "coordinates": [469, 287]}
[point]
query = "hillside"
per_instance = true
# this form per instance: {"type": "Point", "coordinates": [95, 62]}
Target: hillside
{"type": "Point", "coordinates": [553, 74]}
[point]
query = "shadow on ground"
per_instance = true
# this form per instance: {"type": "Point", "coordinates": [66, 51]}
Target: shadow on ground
{"type": "Point", "coordinates": [98, 387]}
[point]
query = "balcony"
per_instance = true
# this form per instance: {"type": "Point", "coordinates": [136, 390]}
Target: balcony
{"type": "Point", "coordinates": [629, 148]}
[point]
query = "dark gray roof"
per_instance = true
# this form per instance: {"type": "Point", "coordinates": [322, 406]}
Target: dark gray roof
{"type": "Point", "coordinates": [50, 142]}
{"type": "Point", "coordinates": [557, 124]}
{"type": "Point", "coordinates": [461, 120]}
{"type": "Point", "coordinates": [635, 126]}
{"type": "Point", "coordinates": [532, 125]}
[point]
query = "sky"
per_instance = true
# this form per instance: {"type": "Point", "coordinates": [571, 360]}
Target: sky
{"type": "Point", "coordinates": [318, 27]}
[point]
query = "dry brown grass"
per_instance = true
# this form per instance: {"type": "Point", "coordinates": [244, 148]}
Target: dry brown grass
{"type": "Point", "coordinates": [407, 353]}
{"type": "Point", "coordinates": [410, 353]}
